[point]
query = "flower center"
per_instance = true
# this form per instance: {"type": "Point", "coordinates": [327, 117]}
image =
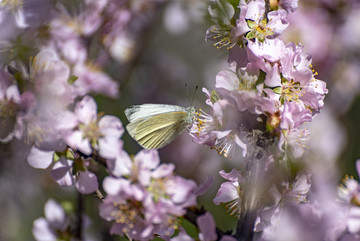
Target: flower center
{"type": "Point", "coordinates": [127, 213]}
{"type": "Point", "coordinates": [247, 83]}
{"type": "Point", "coordinates": [291, 91]}
{"type": "Point", "coordinates": [158, 188]}
{"type": "Point", "coordinates": [34, 133]}
{"type": "Point", "coordinates": [259, 30]}
{"type": "Point", "coordinates": [91, 131]}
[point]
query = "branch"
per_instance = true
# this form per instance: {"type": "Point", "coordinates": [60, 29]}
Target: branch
{"type": "Point", "coordinates": [79, 219]}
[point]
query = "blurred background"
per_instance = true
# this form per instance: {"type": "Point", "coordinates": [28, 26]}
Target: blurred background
{"type": "Point", "coordinates": [164, 64]}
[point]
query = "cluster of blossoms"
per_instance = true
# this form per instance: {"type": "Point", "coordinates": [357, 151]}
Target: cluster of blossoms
{"type": "Point", "coordinates": [270, 85]}
{"type": "Point", "coordinates": [144, 197]}
{"type": "Point", "coordinates": [54, 225]}
{"type": "Point", "coordinates": [45, 102]}
{"type": "Point", "coordinates": [258, 108]}
{"type": "Point", "coordinates": [44, 98]}
{"type": "Point", "coordinates": [257, 111]}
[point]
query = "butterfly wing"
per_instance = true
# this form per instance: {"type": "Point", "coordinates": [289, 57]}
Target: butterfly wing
{"type": "Point", "coordinates": [158, 130]}
{"type": "Point", "coordinates": [137, 112]}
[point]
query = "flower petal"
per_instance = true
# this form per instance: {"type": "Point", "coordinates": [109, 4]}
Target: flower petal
{"type": "Point", "coordinates": [40, 159]}
{"type": "Point", "coordinates": [87, 182]}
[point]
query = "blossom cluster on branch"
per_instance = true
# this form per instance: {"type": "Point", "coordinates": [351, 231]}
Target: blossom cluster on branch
{"type": "Point", "coordinates": [58, 54]}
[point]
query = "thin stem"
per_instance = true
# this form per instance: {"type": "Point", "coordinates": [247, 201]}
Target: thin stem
{"type": "Point", "coordinates": [267, 7]}
{"type": "Point", "coordinates": [79, 219]}
{"type": "Point", "coordinates": [94, 156]}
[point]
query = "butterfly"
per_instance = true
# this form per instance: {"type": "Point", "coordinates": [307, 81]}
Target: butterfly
{"type": "Point", "coordinates": [155, 125]}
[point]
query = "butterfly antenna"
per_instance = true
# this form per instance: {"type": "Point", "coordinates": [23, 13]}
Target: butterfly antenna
{"type": "Point", "coordinates": [187, 93]}
{"type": "Point", "coordinates": [192, 99]}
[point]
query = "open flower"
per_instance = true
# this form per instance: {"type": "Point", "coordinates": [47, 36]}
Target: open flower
{"type": "Point", "coordinates": [230, 193]}
{"type": "Point", "coordinates": [222, 32]}
{"type": "Point", "coordinates": [66, 172]}
{"type": "Point", "coordinates": [255, 24]}
{"type": "Point", "coordinates": [55, 224]}
{"type": "Point", "coordinates": [145, 198]}
{"type": "Point", "coordinates": [94, 132]}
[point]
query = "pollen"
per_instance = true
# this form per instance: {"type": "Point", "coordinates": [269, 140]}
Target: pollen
{"type": "Point", "coordinates": [33, 133]}
{"type": "Point", "coordinates": [158, 188]}
{"type": "Point", "coordinates": [201, 121]}
{"type": "Point", "coordinates": [225, 146]}
{"type": "Point", "coordinates": [92, 130]}
{"type": "Point", "coordinates": [259, 30]}
{"type": "Point", "coordinates": [291, 91]}
{"type": "Point", "coordinates": [234, 207]}
{"type": "Point", "coordinates": [222, 37]}
{"type": "Point", "coordinates": [126, 212]}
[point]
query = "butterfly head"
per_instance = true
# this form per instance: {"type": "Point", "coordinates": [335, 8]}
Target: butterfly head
{"type": "Point", "coordinates": [191, 114]}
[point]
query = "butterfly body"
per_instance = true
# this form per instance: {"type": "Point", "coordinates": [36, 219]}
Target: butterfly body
{"type": "Point", "coordinates": [155, 125]}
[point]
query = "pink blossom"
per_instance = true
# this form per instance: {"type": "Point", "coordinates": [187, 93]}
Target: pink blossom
{"type": "Point", "coordinates": [63, 170]}
{"type": "Point", "coordinates": [293, 115]}
{"type": "Point", "coordinates": [349, 191]}
{"type": "Point", "coordinates": [53, 225]}
{"type": "Point", "coordinates": [91, 132]}
{"type": "Point", "coordinates": [64, 174]}
{"type": "Point", "coordinates": [222, 32]}
{"type": "Point", "coordinates": [92, 79]}
{"type": "Point", "coordinates": [289, 5]}
{"type": "Point", "coordinates": [40, 159]}
{"type": "Point", "coordinates": [50, 76]}
{"type": "Point", "coordinates": [270, 49]}
{"type": "Point", "coordinates": [295, 141]}
{"type": "Point", "coordinates": [159, 195]}
{"type": "Point", "coordinates": [229, 192]}
{"type": "Point", "coordinates": [127, 208]}
{"type": "Point", "coordinates": [253, 22]}
{"type": "Point", "coordinates": [207, 227]}
{"type": "Point", "coordinates": [296, 64]}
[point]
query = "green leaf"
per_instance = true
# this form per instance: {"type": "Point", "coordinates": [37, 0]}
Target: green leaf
{"type": "Point", "coordinates": [214, 97]}
{"type": "Point", "coordinates": [190, 228]}
{"type": "Point", "coordinates": [56, 156]}
{"type": "Point", "coordinates": [78, 166]}
{"type": "Point", "coordinates": [69, 154]}
{"type": "Point", "coordinates": [277, 90]}
{"type": "Point", "coordinates": [250, 35]}
{"type": "Point", "coordinates": [251, 23]}
{"type": "Point", "coordinates": [234, 3]}
{"type": "Point", "coordinates": [68, 206]}
{"type": "Point", "coordinates": [72, 79]}
{"type": "Point", "coordinates": [221, 12]}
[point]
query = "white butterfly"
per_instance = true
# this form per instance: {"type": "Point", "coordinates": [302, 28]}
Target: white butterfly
{"type": "Point", "coordinates": [155, 125]}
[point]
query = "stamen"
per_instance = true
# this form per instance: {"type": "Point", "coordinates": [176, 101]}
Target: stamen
{"type": "Point", "coordinates": [225, 146]}
{"type": "Point", "coordinates": [222, 36]}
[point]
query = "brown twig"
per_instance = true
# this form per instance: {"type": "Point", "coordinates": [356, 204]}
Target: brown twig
{"type": "Point", "coordinates": [79, 219]}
